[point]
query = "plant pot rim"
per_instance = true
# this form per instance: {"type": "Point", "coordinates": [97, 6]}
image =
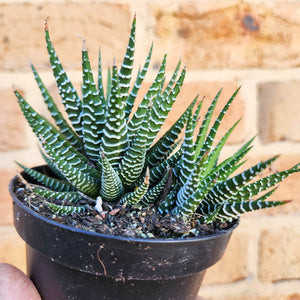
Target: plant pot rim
{"type": "Point", "coordinates": [115, 237]}
{"type": "Point", "coordinates": [123, 257]}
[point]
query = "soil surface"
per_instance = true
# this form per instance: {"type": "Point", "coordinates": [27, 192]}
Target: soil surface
{"type": "Point", "coordinates": [115, 219]}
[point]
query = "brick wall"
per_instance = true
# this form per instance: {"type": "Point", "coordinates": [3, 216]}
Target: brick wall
{"type": "Point", "coordinates": [255, 44]}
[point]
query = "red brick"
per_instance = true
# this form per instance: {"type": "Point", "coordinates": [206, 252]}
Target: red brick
{"type": "Point", "coordinates": [22, 33]}
{"type": "Point", "coordinates": [233, 266]}
{"type": "Point", "coordinates": [230, 34]}
{"type": "Point", "coordinates": [279, 261]}
{"type": "Point", "coordinates": [5, 199]}
{"type": "Point", "coordinates": [12, 122]}
{"type": "Point", "coordinates": [12, 247]}
{"type": "Point", "coordinates": [279, 111]}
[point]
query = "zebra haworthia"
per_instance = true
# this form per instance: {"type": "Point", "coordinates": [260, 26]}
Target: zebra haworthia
{"type": "Point", "coordinates": [107, 148]}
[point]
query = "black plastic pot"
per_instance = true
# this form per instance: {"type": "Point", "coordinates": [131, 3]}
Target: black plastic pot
{"type": "Point", "coordinates": [69, 263]}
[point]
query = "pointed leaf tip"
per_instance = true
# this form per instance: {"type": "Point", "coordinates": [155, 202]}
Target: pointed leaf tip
{"type": "Point", "coordinates": [83, 42]}
{"type": "Point", "coordinates": [147, 176]}
{"type": "Point", "coordinates": [46, 24]}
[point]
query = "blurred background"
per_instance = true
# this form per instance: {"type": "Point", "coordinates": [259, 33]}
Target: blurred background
{"type": "Point", "coordinates": [224, 44]}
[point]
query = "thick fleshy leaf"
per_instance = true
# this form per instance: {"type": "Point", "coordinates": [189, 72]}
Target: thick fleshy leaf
{"type": "Point", "coordinates": [205, 124]}
{"type": "Point", "coordinates": [230, 211]}
{"type": "Point", "coordinates": [257, 187]}
{"type": "Point", "coordinates": [100, 84]}
{"type": "Point", "coordinates": [93, 116]}
{"type": "Point", "coordinates": [157, 172]}
{"type": "Point", "coordinates": [161, 108]}
{"type": "Point", "coordinates": [157, 153]}
{"type": "Point", "coordinates": [64, 209]}
{"type": "Point", "coordinates": [213, 131]}
{"type": "Point", "coordinates": [52, 165]}
{"type": "Point", "coordinates": [167, 204]}
{"type": "Point", "coordinates": [228, 188]}
{"type": "Point", "coordinates": [212, 157]}
{"type": "Point", "coordinates": [133, 161]}
{"type": "Point", "coordinates": [138, 117]}
{"type": "Point", "coordinates": [137, 195]}
{"type": "Point", "coordinates": [62, 124]}
{"type": "Point", "coordinates": [50, 182]}
{"type": "Point", "coordinates": [69, 96]}
{"type": "Point", "coordinates": [127, 64]}
{"type": "Point", "coordinates": [66, 158]}
{"type": "Point", "coordinates": [137, 85]}
{"type": "Point", "coordinates": [187, 162]}
{"type": "Point", "coordinates": [189, 205]}
{"type": "Point", "coordinates": [153, 193]}
{"type": "Point", "coordinates": [115, 138]}
{"type": "Point", "coordinates": [72, 197]}
{"type": "Point", "coordinates": [111, 185]}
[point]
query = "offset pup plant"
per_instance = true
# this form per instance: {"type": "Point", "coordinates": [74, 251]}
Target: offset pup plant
{"type": "Point", "coordinates": [106, 161]}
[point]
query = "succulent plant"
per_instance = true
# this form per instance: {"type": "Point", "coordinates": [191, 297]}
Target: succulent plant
{"type": "Point", "coordinates": [106, 151]}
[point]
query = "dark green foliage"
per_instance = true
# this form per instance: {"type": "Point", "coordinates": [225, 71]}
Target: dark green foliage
{"type": "Point", "coordinates": [111, 151]}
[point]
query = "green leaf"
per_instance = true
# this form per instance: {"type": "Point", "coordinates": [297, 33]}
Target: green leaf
{"type": "Point", "coordinates": [187, 162]}
{"type": "Point", "coordinates": [161, 108]}
{"type": "Point", "coordinates": [210, 217]}
{"type": "Point", "coordinates": [93, 117]}
{"type": "Point", "coordinates": [197, 112]}
{"type": "Point", "coordinates": [205, 124]}
{"type": "Point", "coordinates": [138, 117]}
{"type": "Point", "coordinates": [137, 195]}
{"type": "Point", "coordinates": [127, 64]}
{"type": "Point", "coordinates": [72, 197]}
{"type": "Point", "coordinates": [133, 161]}
{"type": "Point", "coordinates": [167, 204]}
{"type": "Point", "coordinates": [82, 179]}
{"type": "Point", "coordinates": [169, 87]}
{"type": "Point", "coordinates": [70, 98]}
{"type": "Point", "coordinates": [62, 210]}
{"type": "Point", "coordinates": [261, 185]}
{"type": "Point", "coordinates": [213, 131]}
{"type": "Point", "coordinates": [158, 152]}
{"type": "Point", "coordinates": [63, 125]}
{"type": "Point", "coordinates": [231, 164]}
{"type": "Point", "coordinates": [213, 156]}
{"type": "Point", "coordinates": [111, 185]}
{"type": "Point", "coordinates": [137, 85]}
{"type": "Point", "coordinates": [153, 193]}
{"type": "Point", "coordinates": [108, 85]}
{"type": "Point", "coordinates": [52, 165]}
{"type": "Point", "coordinates": [222, 191]}
{"type": "Point", "coordinates": [192, 182]}
{"type": "Point", "coordinates": [157, 172]}
{"type": "Point", "coordinates": [66, 158]}
{"type": "Point", "coordinates": [115, 138]}
{"type": "Point", "coordinates": [189, 205]}
{"type": "Point", "coordinates": [50, 182]}
{"type": "Point", "coordinates": [230, 211]}
{"type": "Point", "coordinates": [100, 84]}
